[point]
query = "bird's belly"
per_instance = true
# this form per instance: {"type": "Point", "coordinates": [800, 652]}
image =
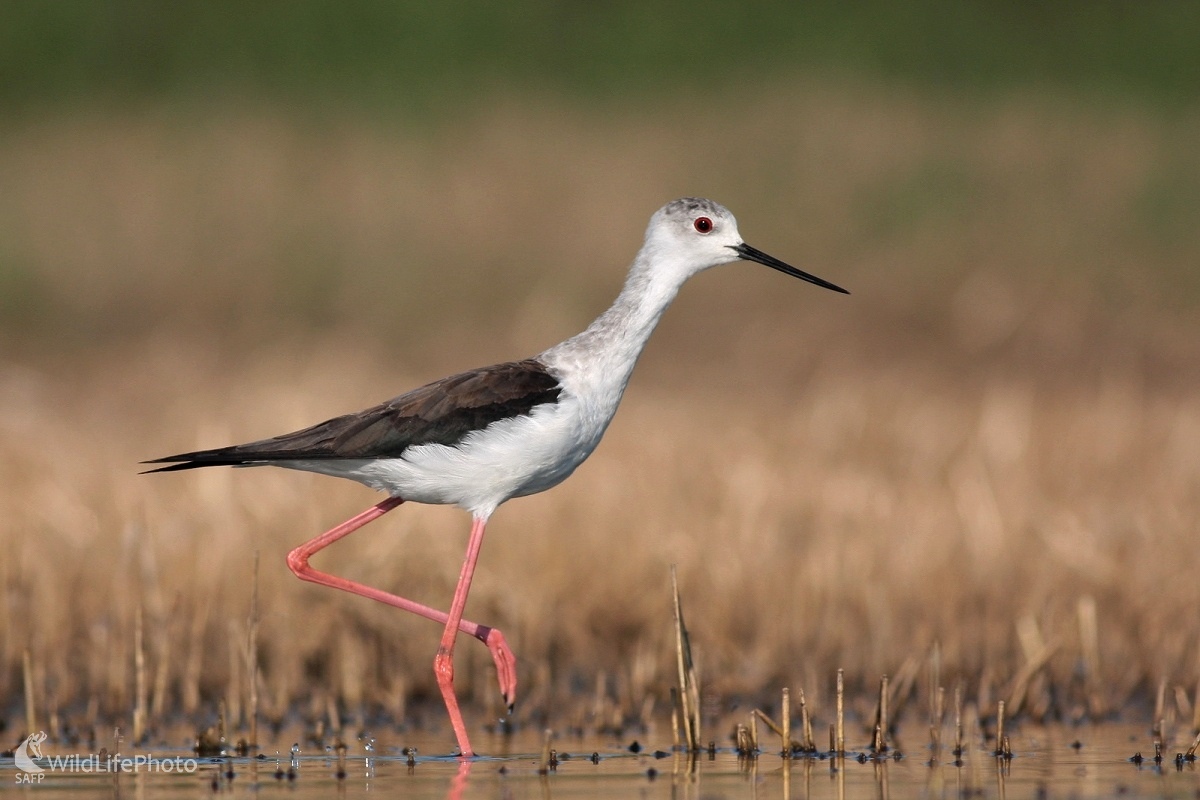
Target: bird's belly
{"type": "Point", "coordinates": [510, 458]}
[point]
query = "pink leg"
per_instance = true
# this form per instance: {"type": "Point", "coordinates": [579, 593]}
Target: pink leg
{"type": "Point", "coordinates": [502, 656]}
{"type": "Point", "coordinates": [443, 663]}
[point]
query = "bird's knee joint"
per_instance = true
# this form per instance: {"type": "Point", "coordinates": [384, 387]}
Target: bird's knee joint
{"type": "Point", "coordinates": [443, 667]}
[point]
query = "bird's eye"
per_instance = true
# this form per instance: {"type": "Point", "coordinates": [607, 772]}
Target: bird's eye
{"type": "Point", "coordinates": [703, 224]}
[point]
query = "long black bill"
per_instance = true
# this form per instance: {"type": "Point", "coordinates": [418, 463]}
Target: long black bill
{"type": "Point", "coordinates": [751, 254]}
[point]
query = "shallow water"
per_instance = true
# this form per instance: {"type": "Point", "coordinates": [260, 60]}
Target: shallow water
{"type": "Point", "coordinates": [1057, 761]}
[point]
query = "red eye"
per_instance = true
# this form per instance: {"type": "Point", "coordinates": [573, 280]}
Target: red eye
{"type": "Point", "coordinates": [703, 224]}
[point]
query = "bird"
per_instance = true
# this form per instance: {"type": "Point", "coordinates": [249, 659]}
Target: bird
{"type": "Point", "coordinates": [480, 438]}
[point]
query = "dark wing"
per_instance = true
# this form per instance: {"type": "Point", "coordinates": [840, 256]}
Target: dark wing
{"type": "Point", "coordinates": [442, 412]}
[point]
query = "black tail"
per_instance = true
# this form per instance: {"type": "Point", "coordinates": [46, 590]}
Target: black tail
{"type": "Point", "coordinates": [201, 458]}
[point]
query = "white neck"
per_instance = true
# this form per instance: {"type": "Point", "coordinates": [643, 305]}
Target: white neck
{"type": "Point", "coordinates": [608, 350]}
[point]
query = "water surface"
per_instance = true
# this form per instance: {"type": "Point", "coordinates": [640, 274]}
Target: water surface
{"type": "Point", "coordinates": [1055, 761]}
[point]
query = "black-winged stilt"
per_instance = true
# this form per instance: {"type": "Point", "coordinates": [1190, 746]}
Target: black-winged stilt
{"type": "Point", "coordinates": [483, 437]}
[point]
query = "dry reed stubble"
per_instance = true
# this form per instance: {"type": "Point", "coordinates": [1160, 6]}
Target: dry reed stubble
{"type": "Point", "coordinates": [739, 530]}
{"type": "Point", "coordinates": [904, 475]}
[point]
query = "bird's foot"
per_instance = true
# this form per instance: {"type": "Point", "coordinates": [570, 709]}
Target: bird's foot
{"type": "Point", "coordinates": [506, 666]}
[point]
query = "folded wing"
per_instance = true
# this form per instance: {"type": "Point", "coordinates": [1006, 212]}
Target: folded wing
{"type": "Point", "coordinates": [442, 412]}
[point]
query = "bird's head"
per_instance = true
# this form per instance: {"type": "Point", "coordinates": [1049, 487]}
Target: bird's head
{"type": "Point", "coordinates": [694, 234]}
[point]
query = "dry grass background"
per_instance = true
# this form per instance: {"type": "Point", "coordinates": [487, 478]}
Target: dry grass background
{"type": "Point", "coordinates": [996, 433]}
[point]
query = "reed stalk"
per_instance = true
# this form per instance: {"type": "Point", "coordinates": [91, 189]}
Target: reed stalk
{"type": "Point", "coordinates": [882, 721]}
{"type": "Point", "coordinates": [139, 671]}
{"type": "Point", "coordinates": [30, 710]}
{"type": "Point", "coordinates": [252, 654]}
{"type": "Point", "coordinates": [958, 720]}
{"type": "Point", "coordinates": [544, 762]}
{"type": "Point", "coordinates": [689, 690]}
{"type": "Point", "coordinates": [1002, 748]}
{"type": "Point", "coordinates": [1191, 751]}
{"type": "Point", "coordinates": [840, 749]}
{"type": "Point", "coordinates": [785, 721]}
{"type": "Point", "coordinates": [1196, 709]}
{"type": "Point", "coordinates": [808, 744]}
{"type": "Point", "coordinates": [1089, 638]}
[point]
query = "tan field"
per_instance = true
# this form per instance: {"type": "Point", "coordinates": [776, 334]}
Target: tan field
{"type": "Point", "coordinates": [982, 467]}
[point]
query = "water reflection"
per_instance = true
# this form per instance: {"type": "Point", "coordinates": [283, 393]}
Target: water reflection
{"type": "Point", "coordinates": [459, 784]}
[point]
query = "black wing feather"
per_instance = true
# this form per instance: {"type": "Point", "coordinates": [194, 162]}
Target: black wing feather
{"type": "Point", "coordinates": [442, 412]}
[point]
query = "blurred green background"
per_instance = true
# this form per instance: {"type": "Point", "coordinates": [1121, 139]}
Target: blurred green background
{"type": "Point", "coordinates": [436, 57]}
